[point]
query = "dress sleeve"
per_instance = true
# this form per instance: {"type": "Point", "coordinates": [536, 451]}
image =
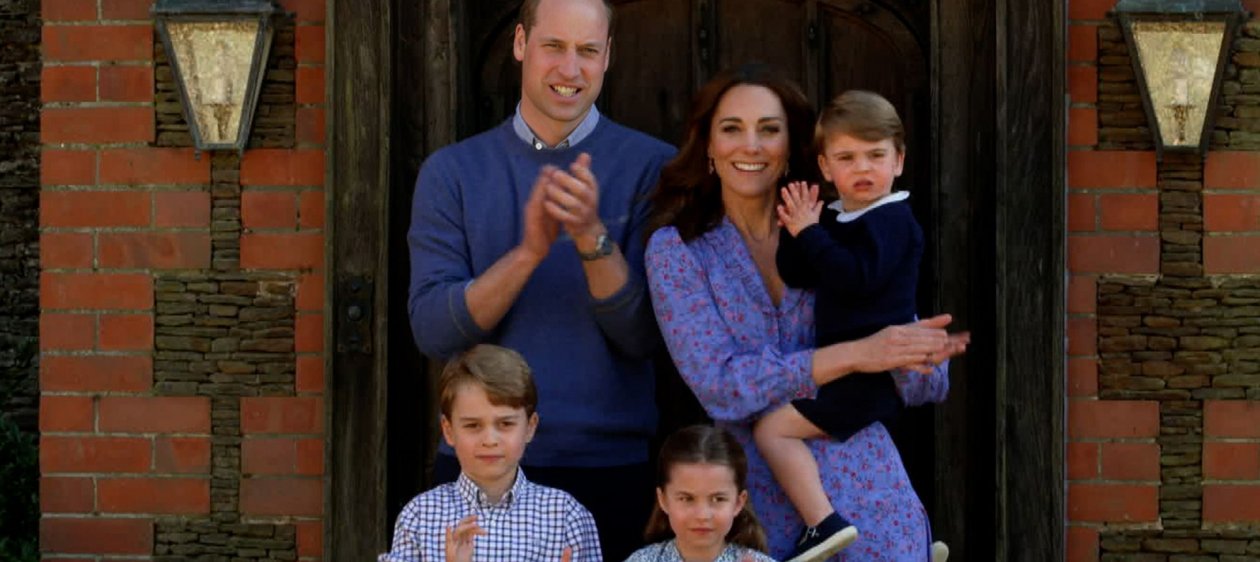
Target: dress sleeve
{"type": "Point", "coordinates": [732, 383]}
{"type": "Point", "coordinates": [917, 389]}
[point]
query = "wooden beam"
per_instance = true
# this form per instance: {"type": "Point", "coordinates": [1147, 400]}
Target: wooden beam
{"type": "Point", "coordinates": [999, 138]}
{"type": "Point", "coordinates": [963, 59]}
{"type": "Point", "coordinates": [356, 527]}
{"type": "Point", "coordinates": [1031, 190]}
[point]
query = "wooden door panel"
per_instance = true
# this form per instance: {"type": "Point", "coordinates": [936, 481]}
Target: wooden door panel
{"type": "Point", "coordinates": [649, 83]}
{"type": "Point", "coordinates": [859, 53]}
{"type": "Point", "coordinates": [498, 79]}
{"type": "Point", "coordinates": [768, 31]}
{"type": "Point", "coordinates": [867, 47]}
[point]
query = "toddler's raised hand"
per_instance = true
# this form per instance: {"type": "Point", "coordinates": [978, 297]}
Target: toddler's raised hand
{"type": "Point", "coordinates": [800, 207]}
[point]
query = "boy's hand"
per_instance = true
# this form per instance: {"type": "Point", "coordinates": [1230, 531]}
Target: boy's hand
{"type": "Point", "coordinates": [567, 555]}
{"type": "Point", "coordinates": [459, 539]}
{"type": "Point", "coordinates": [800, 208]}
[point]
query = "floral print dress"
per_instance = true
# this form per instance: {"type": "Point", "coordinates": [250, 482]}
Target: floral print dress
{"type": "Point", "coordinates": [667, 551]}
{"type": "Point", "coordinates": [742, 355]}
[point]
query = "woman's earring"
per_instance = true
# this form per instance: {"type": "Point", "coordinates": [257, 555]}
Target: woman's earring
{"type": "Point", "coordinates": [787, 168]}
{"type": "Point", "coordinates": [711, 166]}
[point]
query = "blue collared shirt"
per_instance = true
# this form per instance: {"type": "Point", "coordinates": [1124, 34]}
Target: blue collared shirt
{"type": "Point", "coordinates": [582, 131]}
{"type": "Point", "coordinates": [530, 523]}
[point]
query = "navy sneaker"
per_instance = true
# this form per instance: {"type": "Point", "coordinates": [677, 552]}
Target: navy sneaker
{"type": "Point", "coordinates": [831, 535]}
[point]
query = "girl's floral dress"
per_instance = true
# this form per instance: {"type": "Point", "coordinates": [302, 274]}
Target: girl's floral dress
{"type": "Point", "coordinates": [666, 551]}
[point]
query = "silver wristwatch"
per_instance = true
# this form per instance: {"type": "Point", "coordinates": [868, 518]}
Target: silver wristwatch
{"type": "Point", "coordinates": [603, 247]}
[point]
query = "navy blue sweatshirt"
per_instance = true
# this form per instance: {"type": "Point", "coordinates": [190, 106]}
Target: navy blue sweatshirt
{"type": "Point", "coordinates": [864, 272]}
{"type": "Point", "coordinates": [591, 358]}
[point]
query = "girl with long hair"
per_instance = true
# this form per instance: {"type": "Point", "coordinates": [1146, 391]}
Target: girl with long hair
{"type": "Point", "coordinates": [702, 511]}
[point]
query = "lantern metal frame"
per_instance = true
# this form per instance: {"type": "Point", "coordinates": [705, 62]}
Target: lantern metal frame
{"type": "Point", "coordinates": [1229, 12]}
{"type": "Point", "coordinates": [219, 11]}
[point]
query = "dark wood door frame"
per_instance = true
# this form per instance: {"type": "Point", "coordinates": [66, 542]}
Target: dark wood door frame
{"type": "Point", "coordinates": [359, 69]}
{"type": "Point", "coordinates": [1000, 167]}
{"type": "Point", "coordinates": [998, 101]}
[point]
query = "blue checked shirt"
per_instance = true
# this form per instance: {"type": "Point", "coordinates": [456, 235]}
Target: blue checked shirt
{"type": "Point", "coordinates": [532, 523]}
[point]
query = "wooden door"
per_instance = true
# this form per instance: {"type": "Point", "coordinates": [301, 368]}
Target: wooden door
{"type": "Point", "coordinates": [410, 76]}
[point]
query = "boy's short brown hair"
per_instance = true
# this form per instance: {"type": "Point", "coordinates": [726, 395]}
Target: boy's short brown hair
{"type": "Point", "coordinates": [858, 113]}
{"type": "Point", "coordinates": [501, 372]}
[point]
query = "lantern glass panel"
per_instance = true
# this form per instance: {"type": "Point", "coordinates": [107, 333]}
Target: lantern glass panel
{"type": "Point", "coordinates": [214, 60]}
{"type": "Point", "coordinates": [1179, 62]}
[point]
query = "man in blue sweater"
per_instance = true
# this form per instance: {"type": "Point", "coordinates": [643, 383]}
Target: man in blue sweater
{"type": "Point", "coordinates": [530, 236]}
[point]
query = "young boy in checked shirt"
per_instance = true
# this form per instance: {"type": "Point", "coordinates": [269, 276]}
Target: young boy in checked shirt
{"type": "Point", "coordinates": [491, 513]}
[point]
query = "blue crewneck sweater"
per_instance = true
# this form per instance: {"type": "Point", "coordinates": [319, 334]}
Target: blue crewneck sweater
{"type": "Point", "coordinates": [590, 358]}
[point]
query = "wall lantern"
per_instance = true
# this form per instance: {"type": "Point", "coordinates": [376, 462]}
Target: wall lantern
{"type": "Point", "coordinates": [1179, 50]}
{"type": "Point", "coordinates": [218, 52]}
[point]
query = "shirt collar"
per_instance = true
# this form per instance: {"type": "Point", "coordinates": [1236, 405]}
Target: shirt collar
{"type": "Point", "coordinates": [850, 216]}
{"type": "Point", "coordinates": [670, 550]}
{"type": "Point", "coordinates": [474, 496]}
{"type": "Point", "coordinates": [583, 130]}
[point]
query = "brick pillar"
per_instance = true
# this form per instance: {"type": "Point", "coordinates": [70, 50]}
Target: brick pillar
{"type": "Point", "coordinates": [182, 322]}
{"type": "Point", "coordinates": [1178, 338]}
{"type": "Point", "coordinates": [1113, 454]}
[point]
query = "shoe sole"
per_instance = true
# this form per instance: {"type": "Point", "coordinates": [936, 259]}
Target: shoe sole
{"type": "Point", "coordinates": [940, 552]}
{"type": "Point", "coordinates": [835, 543]}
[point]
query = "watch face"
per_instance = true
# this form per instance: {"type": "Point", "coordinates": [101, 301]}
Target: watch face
{"type": "Point", "coordinates": [603, 247]}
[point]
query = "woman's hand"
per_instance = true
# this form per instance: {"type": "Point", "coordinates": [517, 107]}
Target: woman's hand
{"type": "Point", "coordinates": [459, 539]}
{"type": "Point", "coordinates": [800, 208]}
{"type": "Point", "coordinates": [917, 347]}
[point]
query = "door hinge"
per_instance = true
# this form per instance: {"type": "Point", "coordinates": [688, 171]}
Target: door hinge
{"type": "Point", "coordinates": [354, 328]}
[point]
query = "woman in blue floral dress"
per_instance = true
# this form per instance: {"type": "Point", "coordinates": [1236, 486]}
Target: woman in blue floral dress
{"type": "Point", "coordinates": [743, 341]}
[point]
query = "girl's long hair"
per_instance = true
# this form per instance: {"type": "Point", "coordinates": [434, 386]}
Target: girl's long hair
{"type": "Point", "coordinates": [704, 444]}
{"type": "Point", "coordinates": [689, 196]}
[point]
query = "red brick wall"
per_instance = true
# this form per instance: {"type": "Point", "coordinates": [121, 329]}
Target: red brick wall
{"type": "Point", "coordinates": [1231, 461]}
{"type": "Point", "coordinates": [1118, 462]}
{"type": "Point", "coordinates": [116, 213]}
{"type": "Point", "coordinates": [1231, 213]}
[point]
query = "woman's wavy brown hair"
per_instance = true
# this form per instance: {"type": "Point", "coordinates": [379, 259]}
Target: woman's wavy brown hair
{"type": "Point", "coordinates": [705, 444]}
{"type": "Point", "coordinates": [688, 196]}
